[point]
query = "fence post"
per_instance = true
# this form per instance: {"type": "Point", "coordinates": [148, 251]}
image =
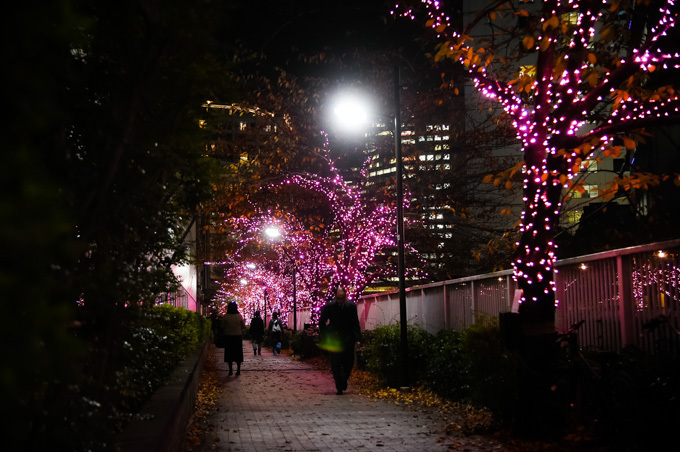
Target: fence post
{"type": "Point", "coordinates": [473, 304]}
{"type": "Point", "coordinates": [446, 307]}
{"type": "Point", "coordinates": [560, 315]}
{"type": "Point", "coordinates": [509, 293]}
{"type": "Point", "coordinates": [624, 270]}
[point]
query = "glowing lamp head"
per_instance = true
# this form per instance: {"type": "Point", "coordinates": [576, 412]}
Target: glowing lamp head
{"type": "Point", "coordinates": [272, 232]}
{"type": "Point", "coordinates": [351, 112]}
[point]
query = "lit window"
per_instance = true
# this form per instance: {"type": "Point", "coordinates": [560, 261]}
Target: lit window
{"type": "Point", "coordinates": [589, 165]}
{"type": "Point", "coordinates": [574, 216]}
{"type": "Point", "coordinates": [590, 191]}
{"type": "Point", "coordinates": [570, 18]}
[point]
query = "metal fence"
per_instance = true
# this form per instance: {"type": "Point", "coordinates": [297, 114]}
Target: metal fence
{"type": "Point", "coordinates": [627, 296]}
{"type": "Point", "coordinates": [178, 299]}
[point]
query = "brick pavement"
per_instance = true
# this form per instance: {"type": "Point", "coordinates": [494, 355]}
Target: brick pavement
{"type": "Point", "coordinates": [281, 404]}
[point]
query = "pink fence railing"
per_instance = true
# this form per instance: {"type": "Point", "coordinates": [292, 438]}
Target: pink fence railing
{"type": "Point", "coordinates": [628, 296]}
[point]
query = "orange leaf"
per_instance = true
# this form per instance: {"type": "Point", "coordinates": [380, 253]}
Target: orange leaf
{"type": "Point", "coordinates": [628, 143]}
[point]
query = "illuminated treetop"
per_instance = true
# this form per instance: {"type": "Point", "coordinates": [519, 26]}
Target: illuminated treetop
{"type": "Point", "coordinates": [578, 80]}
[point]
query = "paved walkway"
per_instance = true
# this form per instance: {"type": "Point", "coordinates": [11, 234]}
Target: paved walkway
{"type": "Point", "coordinates": [281, 404]}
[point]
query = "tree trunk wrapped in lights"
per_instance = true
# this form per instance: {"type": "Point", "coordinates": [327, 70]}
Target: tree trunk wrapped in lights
{"type": "Point", "coordinates": [579, 82]}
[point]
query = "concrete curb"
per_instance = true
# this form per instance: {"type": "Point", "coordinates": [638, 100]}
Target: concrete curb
{"type": "Point", "coordinates": [165, 416]}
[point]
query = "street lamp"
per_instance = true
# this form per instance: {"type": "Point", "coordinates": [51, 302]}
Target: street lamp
{"type": "Point", "coordinates": [350, 110]}
{"type": "Point", "coordinates": [253, 266]}
{"type": "Point", "coordinates": [274, 233]}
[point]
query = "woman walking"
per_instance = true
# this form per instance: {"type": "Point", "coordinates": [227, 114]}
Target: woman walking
{"type": "Point", "coordinates": [257, 333]}
{"type": "Point", "coordinates": [232, 328]}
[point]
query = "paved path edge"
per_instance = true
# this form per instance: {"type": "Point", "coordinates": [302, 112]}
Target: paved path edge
{"type": "Point", "coordinates": [165, 416]}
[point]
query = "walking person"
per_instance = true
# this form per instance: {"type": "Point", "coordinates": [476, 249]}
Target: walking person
{"type": "Point", "coordinates": [232, 328]}
{"type": "Point", "coordinates": [257, 333]}
{"type": "Point", "coordinates": [275, 330]}
{"type": "Point", "coordinates": [339, 331]}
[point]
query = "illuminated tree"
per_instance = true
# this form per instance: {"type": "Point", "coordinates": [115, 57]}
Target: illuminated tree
{"type": "Point", "coordinates": [579, 82]}
{"type": "Point", "coordinates": [333, 233]}
{"type": "Point", "coordinates": [360, 231]}
{"type": "Point", "coordinates": [261, 263]}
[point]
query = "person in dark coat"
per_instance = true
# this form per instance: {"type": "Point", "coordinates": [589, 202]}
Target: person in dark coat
{"type": "Point", "coordinates": [339, 331]}
{"type": "Point", "coordinates": [232, 328]}
{"type": "Point", "coordinates": [257, 333]}
{"type": "Point", "coordinates": [275, 332]}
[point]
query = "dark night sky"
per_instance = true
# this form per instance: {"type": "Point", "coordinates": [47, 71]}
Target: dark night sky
{"type": "Point", "coordinates": [271, 26]}
{"type": "Point", "coordinates": [338, 28]}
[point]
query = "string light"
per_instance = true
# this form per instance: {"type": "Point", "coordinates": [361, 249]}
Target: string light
{"type": "Point", "coordinates": [350, 251]}
{"type": "Point", "coordinates": [569, 111]}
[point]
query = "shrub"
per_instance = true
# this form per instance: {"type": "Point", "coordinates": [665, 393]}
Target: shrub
{"type": "Point", "coordinates": [382, 353]}
{"type": "Point", "coordinates": [472, 366]}
{"type": "Point", "coordinates": [305, 343]}
{"type": "Point", "coordinates": [147, 346]}
{"type": "Point", "coordinates": [491, 370]}
{"type": "Point", "coordinates": [363, 350]}
{"type": "Point", "coordinates": [447, 370]}
{"type": "Point", "coordinates": [154, 344]}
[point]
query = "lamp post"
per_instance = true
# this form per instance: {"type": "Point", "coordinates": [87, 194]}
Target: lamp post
{"type": "Point", "coordinates": [401, 270]}
{"type": "Point", "coordinates": [274, 233]}
{"type": "Point", "coordinates": [265, 305]}
{"type": "Point", "coordinates": [351, 115]}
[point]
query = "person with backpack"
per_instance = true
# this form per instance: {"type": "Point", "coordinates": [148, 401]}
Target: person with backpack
{"type": "Point", "coordinates": [275, 333]}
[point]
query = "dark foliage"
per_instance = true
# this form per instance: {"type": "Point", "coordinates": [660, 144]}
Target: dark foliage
{"type": "Point", "coordinates": [305, 343]}
{"type": "Point", "coordinates": [86, 413]}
